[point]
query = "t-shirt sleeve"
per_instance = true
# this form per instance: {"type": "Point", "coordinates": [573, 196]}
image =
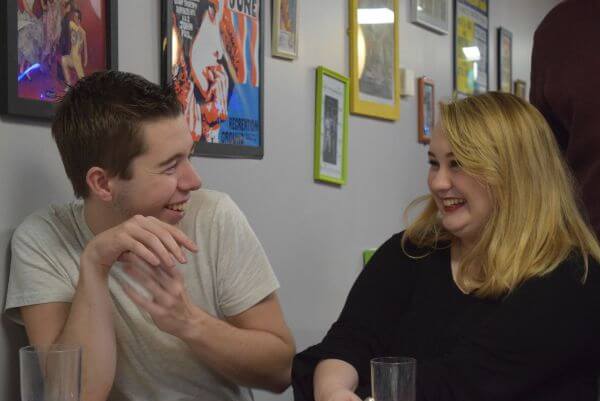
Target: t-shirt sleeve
{"type": "Point", "coordinates": [244, 274]}
{"type": "Point", "coordinates": [35, 276]}
{"type": "Point", "coordinates": [545, 331]}
{"type": "Point", "coordinates": [364, 330]}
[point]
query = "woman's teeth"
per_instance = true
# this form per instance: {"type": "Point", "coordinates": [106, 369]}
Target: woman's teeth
{"type": "Point", "coordinates": [452, 202]}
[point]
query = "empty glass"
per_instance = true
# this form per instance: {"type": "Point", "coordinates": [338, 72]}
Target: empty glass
{"type": "Point", "coordinates": [50, 372]}
{"type": "Point", "coordinates": [393, 379]}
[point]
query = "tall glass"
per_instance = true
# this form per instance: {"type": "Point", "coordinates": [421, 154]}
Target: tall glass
{"type": "Point", "coordinates": [50, 372]}
{"type": "Point", "coordinates": [393, 379]}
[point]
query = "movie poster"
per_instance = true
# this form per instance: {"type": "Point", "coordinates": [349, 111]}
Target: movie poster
{"type": "Point", "coordinates": [215, 69]}
{"type": "Point", "coordinates": [58, 43]}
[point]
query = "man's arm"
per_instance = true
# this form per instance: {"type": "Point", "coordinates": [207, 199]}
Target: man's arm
{"type": "Point", "coordinates": [88, 320]}
{"type": "Point", "coordinates": [254, 348]}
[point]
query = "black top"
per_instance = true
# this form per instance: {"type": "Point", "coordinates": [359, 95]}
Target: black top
{"type": "Point", "coordinates": [565, 62]}
{"type": "Point", "coordinates": [541, 342]}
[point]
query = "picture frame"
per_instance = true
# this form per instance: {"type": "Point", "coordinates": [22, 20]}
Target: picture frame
{"type": "Point", "coordinates": [212, 53]}
{"type": "Point", "coordinates": [471, 46]}
{"type": "Point", "coordinates": [48, 46]}
{"type": "Point", "coordinates": [374, 65]}
{"type": "Point", "coordinates": [331, 127]}
{"type": "Point", "coordinates": [426, 109]}
{"type": "Point", "coordinates": [520, 89]}
{"type": "Point", "coordinates": [504, 60]}
{"type": "Point", "coordinates": [430, 14]}
{"type": "Point", "coordinates": [284, 34]}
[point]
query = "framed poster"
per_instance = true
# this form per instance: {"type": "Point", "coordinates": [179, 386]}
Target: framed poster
{"type": "Point", "coordinates": [284, 35]}
{"type": "Point", "coordinates": [430, 14]}
{"type": "Point", "coordinates": [471, 24]}
{"type": "Point", "coordinates": [212, 54]}
{"type": "Point", "coordinates": [426, 118]}
{"type": "Point", "coordinates": [520, 89]}
{"type": "Point", "coordinates": [374, 72]}
{"type": "Point", "coordinates": [331, 127]}
{"type": "Point", "coordinates": [49, 45]}
{"type": "Point", "coordinates": [504, 60]}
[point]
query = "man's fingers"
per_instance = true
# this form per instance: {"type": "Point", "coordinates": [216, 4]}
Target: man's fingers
{"type": "Point", "coordinates": [162, 232]}
{"type": "Point", "coordinates": [148, 306]}
{"type": "Point", "coordinates": [147, 280]}
{"type": "Point", "coordinates": [154, 243]}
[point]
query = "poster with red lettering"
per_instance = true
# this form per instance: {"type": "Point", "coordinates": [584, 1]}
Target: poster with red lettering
{"type": "Point", "coordinates": [212, 54]}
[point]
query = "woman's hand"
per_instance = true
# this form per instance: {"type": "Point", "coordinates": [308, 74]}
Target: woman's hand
{"type": "Point", "coordinates": [342, 395]}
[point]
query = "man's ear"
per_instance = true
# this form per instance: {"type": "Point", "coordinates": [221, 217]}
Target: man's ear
{"type": "Point", "coordinates": [99, 183]}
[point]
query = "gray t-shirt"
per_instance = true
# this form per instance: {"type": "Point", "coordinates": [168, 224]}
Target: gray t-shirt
{"type": "Point", "coordinates": [229, 274]}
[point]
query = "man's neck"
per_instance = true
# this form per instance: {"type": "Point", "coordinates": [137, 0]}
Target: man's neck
{"type": "Point", "coordinates": [99, 216]}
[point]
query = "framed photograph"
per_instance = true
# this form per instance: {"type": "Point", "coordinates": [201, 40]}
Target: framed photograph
{"type": "Point", "coordinates": [520, 89]}
{"type": "Point", "coordinates": [430, 14]}
{"type": "Point", "coordinates": [212, 54]}
{"type": "Point", "coordinates": [284, 36]}
{"type": "Point", "coordinates": [49, 45]}
{"type": "Point", "coordinates": [504, 60]}
{"type": "Point", "coordinates": [331, 127]}
{"type": "Point", "coordinates": [471, 26]}
{"type": "Point", "coordinates": [374, 72]}
{"type": "Point", "coordinates": [426, 119]}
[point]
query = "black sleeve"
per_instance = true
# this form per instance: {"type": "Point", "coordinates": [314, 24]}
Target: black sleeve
{"type": "Point", "coordinates": [376, 301]}
{"type": "Point", "coordinates": [543, 332]}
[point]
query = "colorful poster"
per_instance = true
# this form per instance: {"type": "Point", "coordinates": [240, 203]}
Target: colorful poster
{"type": "Point", "coordinates": [471, 46]}
{"type": "Point", "coordinates": [216, 70]}
{"type": "Point", "coordinates": [58, 43]}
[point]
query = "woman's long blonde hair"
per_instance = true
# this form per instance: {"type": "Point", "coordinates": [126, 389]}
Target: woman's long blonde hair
{"type": "Point", "coordinates": [535, 222]}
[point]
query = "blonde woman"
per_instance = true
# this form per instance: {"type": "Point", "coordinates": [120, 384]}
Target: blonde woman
{"type": "Point", "coordinates": [494, 288]}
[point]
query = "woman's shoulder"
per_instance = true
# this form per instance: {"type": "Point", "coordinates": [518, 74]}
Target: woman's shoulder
{"type": "Point", "coordinates": [400, 248]}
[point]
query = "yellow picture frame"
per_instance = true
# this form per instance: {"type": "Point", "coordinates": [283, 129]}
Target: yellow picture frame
{"type": "Point", "coordinates": [374, 70]}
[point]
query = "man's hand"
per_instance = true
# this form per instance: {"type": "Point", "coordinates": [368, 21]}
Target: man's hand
{"type": "Point", "coordinates": [152, 240]}
{"type": "Point", "coordinates": [170, 306]}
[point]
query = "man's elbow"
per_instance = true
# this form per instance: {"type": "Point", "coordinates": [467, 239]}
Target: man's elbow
{"type": "Point", "coordinates": [280, 381]}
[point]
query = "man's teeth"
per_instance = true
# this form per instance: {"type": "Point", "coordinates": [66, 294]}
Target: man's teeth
{"type": "Point", "coordinates": [452, 202]}
{"type": "Point", "coordinates": [179, 207]}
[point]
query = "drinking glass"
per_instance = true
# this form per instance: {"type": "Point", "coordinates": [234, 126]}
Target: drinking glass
{"type": "Point", "coordinates": [393, 379]}
{"type": "Point", "coordinates": [50, 372]}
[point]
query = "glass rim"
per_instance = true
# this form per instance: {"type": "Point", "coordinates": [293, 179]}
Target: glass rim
{"type": "Point", "coordinates": [47, 348]}
{"type": "Point", "coordinates": [393, 360]}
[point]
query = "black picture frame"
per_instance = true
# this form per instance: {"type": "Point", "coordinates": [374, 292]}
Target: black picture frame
{"type": "Point", "coordinates": [478, 12]}
{"type": "Point", "coordinates": [504, 58]}
{"type": "Point", "coordinates": [204, 147]}
{"type": "Point", "coordinates": [10, 103]}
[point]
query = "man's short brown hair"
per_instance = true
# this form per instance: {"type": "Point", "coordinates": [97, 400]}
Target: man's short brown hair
{"type": "Point", "coordinates": [99, 121]}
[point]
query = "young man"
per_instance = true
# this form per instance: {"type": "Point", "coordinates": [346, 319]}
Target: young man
{"type": "Point", "coordinates": [164, 285]}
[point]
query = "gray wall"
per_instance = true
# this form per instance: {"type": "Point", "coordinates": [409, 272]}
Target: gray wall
{"type": "Point", "coordinates": [314, 234]}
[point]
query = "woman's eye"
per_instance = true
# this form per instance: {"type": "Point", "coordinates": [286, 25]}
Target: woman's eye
{"type": "Point", "coordinates": [454, 164]}
{"type": "Point", "coordinates": [433, 163]}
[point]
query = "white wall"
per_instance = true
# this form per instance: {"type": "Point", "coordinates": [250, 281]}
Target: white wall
{"type": "Point", "coordinates": [313, 233]}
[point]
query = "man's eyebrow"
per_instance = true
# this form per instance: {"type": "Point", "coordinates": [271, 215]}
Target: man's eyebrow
{"type": "Point", "coordinates": [176, 156]}
{"type": "Point", "coordinates": [171, 159]}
